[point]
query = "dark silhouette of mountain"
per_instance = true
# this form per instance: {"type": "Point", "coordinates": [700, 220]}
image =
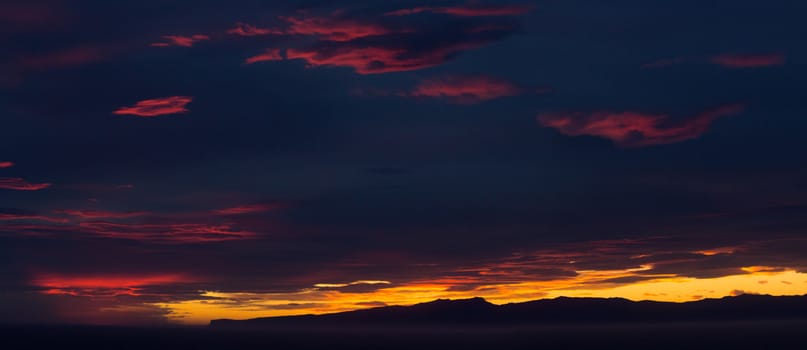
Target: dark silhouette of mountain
{"type": "Point", "coordinates": [478, 311]}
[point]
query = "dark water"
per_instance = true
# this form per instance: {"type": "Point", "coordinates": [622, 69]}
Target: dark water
{"type": "Point", "coordinates": [727, 335]}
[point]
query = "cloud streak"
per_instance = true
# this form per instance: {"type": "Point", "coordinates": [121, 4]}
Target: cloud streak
{"type": "Point", "coordinates": [466, 90]}
{"type": "Point", "coordinates": [19, 184]}
{"type": "Point", "coordinates": [157, 107]}
{"type": "Point", "coordinates": [180, 40]}
{"type": "Point", "coordinates": [467, 10]}
{"type": "Point", "coordinates": [5, 165]}
{"type": "Point", "coordinates": [636, 129]}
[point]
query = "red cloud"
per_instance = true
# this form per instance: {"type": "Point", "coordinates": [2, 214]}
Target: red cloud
{"type": "Point", "coordinates": [93, 214]}
{"type": "Point", "coordinates": [157, 107]}
{"type": "Point", "coordinates": [166, 233]}
{"type": "Point", "coordinates": [248, 209]}
{"type": "Point", "coordinates": [466, 90]}
{"type": "Point", "coordinates": [468, 10]}
{"type": "Point", "coordinates": [244, 29]}
{"type": "Point", "coordinates": [19, 184]}
{"type": "Point", "coordinates": [635, 129]}
{"type": "Point", "coordinates": [268, 55]}
{"type": "Point", "coordinates": [333, 29]}
{"type": "Point", "coordinates": [179, 40]}
{"type": "Point", "coordinates": [4, 165]}
{"type": "Point", "coordinates": [13, 217]}
{"type": "Point", "coordinates": [375, 60]}
{"type": "Point", "coordinates": [749, 61]}
{"type": "Point", "coordinates": [104, 286]}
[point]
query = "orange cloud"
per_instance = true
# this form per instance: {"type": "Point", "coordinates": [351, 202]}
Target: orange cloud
{"type": "Point", "coordinates": [15, 183]}
{"type": "Point", "coordinates": [466, 90]}
{"type": "Point", "coordinates": [157, 107]}
{"type": "Point", "coordinates": [468, 10]}
{"type": "Point", "coordinates": [244, 29]}
{"type": "Point", "coordinates": [749, 61]}
{"type": "Point", "coordinates": [268, 55]}
{"type": "Point", "coordinates": [4, 165]}
{"type": "Point", "coordinates": [104, 286]}
{"type": "Point", "coordinates": [179, 40]}
{"type": "Point", "coordinates": [333, 29]}
{"type": "Point", "coordinates": [636, 129]}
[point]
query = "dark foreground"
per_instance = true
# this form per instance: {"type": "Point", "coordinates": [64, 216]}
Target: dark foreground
{"type": "Point", "coordinates": [790, 334]}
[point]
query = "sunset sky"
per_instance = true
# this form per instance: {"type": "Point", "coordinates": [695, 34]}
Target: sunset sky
{"type": "Point", "coordinates": [174, 161]}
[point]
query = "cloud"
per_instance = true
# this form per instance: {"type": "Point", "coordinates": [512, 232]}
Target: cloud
{"type": "Point", "coordinates": [636, 129]}
{"type": "Point", "coordinates": [467, 10]}
{"type": "Point", "coordinates": [34, 217]}
{"type": "Point", "coordinates": [104, 285]}
{"type": "Point", "coordinates": [725, 60]}
{"type": "Point", "coordinates": [94, 214]}
{"type": "Point", "coordinates": [179, 40]}
{"type": "Point", "coordinates": [466, 90]}
{"type": "Point", "coordinates": [333, 29]}
{"type": "Point", "coordinates": [19, 184]}
{"type": "Point", "coordinates": [166, 233]}
{"type": "Point", "coordinates": [369, 47]}
{"type": "Point", "coordinates": [268, 55]}
{"type": "Point", "coordinates": [157, 107]}
{"type": "Point", "coordinates": [248, 209]}
{"type": "Point", "coordinates": [749, 60]}
{"type": "Point", "coordinates": [244, 29]}
{"type": "Point", "coordinates": [4, 165]}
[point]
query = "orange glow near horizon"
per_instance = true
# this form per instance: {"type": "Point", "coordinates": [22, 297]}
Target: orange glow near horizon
{"type": "Point", "coordinates": [670, 288]}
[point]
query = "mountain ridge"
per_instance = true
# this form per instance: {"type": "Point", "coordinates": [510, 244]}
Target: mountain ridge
{"type": "Point", "coordinates": [562, 310]}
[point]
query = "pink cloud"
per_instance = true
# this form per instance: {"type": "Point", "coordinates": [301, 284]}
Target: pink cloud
{"type": "Point", "coordinates": [157, 107]}
{"type": "Point", "coordinates": [636, 129]}
{"type": "Point", "coordinates": [19, 184]}
{"type": "Point", "coordinates": [377, 59]}
{"type": "Point", "coordinates": [333, 29]}
{"type": "Point", "coordinates": [4, 165]}
{"type": "Point", "coordinates": [268, 55]}
{"type": "Point", "coordinates": [468, 10]}
{"type": "Point", "coordinates": [749, 60]}
{"type": "Point", "coordinates": [466, 90]}
{"type": "Point", "coordinates": [179, 40]}
{"type": "Point", "coordinates": [244, 29]}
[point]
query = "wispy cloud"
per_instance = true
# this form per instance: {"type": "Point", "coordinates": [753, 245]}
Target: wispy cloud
{"type": "Point", "coordinates": [4, 165]}
{"type": "Point", "coordinates": [636, 129]}
{"type": "Point", "coordinates": [466, 89]}
{"type": "Point", "coordinates": [180, 40]}
{"type": "Point", "coordinates": [749, 60]}
{"type": "Point", "coordinates": [244, 29]}
{"type": "Point", "coordinates": [470, 10]}
{"type": "Point", "coordinates": [157, 107]}
{"type": "Point", "coordinates": [19, 184]}
{"type": "Point", "coordinates": [268, 55]}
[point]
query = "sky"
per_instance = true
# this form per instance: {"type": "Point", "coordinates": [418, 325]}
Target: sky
{"type": "Point", "coordinates": [170, 162]}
